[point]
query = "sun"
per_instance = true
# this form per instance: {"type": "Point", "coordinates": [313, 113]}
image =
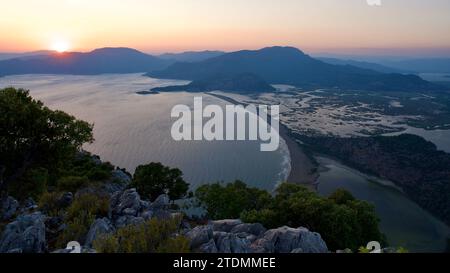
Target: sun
{"type": "Point", "coordinates": [60, 46]}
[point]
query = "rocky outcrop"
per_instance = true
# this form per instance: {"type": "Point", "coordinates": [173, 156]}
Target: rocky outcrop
{"type": "Point", "coordinates": [233, 236]}
{"type": "Point", "coordinates": [287, 240]}
{"type": "Point", "coordinates": [99, 227]}
{"type": "Point", "coordinates": [200, 235]}
{"type": "Point", "coordinates": [25, 235]}
{"type": "Point", "coordinates": [127, 208]}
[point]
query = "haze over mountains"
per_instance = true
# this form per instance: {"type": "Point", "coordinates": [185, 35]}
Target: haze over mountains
{"type": "Point", "coordinates": [274, 65]}
{"type": "Point", "coordinates": [191, 56]}
{"type": "Point", "coordinates": [288, 65]}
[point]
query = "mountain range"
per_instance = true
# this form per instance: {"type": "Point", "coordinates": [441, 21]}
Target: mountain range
{"type": "Point", "coordinates": [274, 65]}
{"type": "Point", "coordinates": [362, 64]}
{"type": "Point", "coordinates": [191, 56]}
{"type": "Point", "coordinates": [99, 61]}
{"type": "Point", "coordinates": [288, 65]}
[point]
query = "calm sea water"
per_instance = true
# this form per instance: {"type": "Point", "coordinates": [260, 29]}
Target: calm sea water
{"type": "Point", "coordinates": [133, 129]}
{"type": "Point", "coordinates": [402, 221]}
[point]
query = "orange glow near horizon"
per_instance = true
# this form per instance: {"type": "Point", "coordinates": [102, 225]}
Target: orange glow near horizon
{"type": "Point", "coordinates": [178, 25]}
{"type": "Point", "coordinates": [60, 46]}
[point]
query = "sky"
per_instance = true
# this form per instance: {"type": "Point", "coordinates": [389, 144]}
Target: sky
{"type": "Point", "coordinates": [157, 26]}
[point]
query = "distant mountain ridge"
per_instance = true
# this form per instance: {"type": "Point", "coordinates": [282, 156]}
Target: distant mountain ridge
{"type": "Point", "coordinates": [99, 61]}
{"type": "Point", "coordinates": [362, 64]}
{"type": "Point", "coordinates": [191, 56]}
{"type": "Point", "coordinates": [288, 65]}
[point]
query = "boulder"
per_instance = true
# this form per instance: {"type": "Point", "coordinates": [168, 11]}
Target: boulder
{"type": "Point", "coordinates": [199, 235]}
{"type": "Point", "coordinates": [147, 215]}
{"type": "Point", "coordinates": [26, 234]}
{"type": "Point", "coordinates": [161, 203]}
{"type": "Point", "coordinates": [209, 247]}
{"type": "Point", "coordinates": [100, 226]}
{"type": "Point", "coordinates": [162, 215]}
{"type": "Point", "coordinates": [124, 202]}
{"type": "Point", "coordinates": [8, 208]}
{"type": "Point", "coordinates": [127, 220]}
{"type": "Point", "coordinates": [53, 227]}
{"type": "Point", "coordinates": [254, 229]}
{"type": "Point", "coordinates": [225, 225]}
{"type": "Point", "coordinates": [286, 240]}
{"type": "Point", "coordinates": [231, 242]}
{"type": "Point", "coordinates": [121, 177]}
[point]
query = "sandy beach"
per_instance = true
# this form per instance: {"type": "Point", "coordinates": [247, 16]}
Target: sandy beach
{"type": "Point", "coordinates": [303, 170]}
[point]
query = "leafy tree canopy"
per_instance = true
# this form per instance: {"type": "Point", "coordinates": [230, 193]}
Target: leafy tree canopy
{"type": "Point", "coordinates": [34, 137]}
{"type": "Point", "coordinates": [154, 179]}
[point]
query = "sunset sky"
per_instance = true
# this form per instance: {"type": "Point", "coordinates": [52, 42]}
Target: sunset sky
{"type": "Point", "coordinates": [155, 26]}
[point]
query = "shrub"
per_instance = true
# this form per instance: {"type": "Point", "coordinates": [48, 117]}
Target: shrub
{"type": "Point", "coordinates": [343, 221]}
{"type": "Point", "coordinates": [152, 236]}
{"type": "Point", "coordinates": [32, 184]}
{"type": "Point", "coordinates": [49, 203]}
{"type": "Point", "coordinates": [92, 204]}
{"type": "Point", "coordinates": [72, 183]}
{"type": "Point", "coordinates": [76, 230]}
{"type": "Point", "coordinates": [225, 202]}
{"type": "Point", "coordinates": [79, 217]}
{"type": "Point", "coordinates": [155, 179]}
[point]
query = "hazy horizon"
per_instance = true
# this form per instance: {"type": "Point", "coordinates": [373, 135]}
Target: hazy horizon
{"type": "Point", "coordinates": [397, 27]}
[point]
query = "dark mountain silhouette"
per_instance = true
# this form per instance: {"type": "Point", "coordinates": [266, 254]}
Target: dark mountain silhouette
{"type": "Point", "coordinates": [191, 56]}
{"type": "Point", "coordinates": [104, 60]}
{"type": "Point", "coordinates": [288, 65]}
{"type": "Point", "coordinates": [241, 83]}
{"type": "Point", "coordinates": [362, 64]}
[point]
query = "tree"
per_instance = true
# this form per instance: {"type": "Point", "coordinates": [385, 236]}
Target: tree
{"type": "Point", "coordinates": [226, 202]}
{"type": "Point", "coordinates": [33, 136]}
{"type": "Point", "coordinates": [343, 221]}
{"type": "Point", "coordinates": [155, 179]}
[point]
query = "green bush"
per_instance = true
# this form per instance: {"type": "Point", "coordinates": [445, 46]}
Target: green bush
{"type": "Point", "coordinates": [32, 184]}
{"type": "Point", "coordinates": [80, 216]}
{"type": "Point", "coordinates": [152, 236]}
{"type": "Point", "coordinates": [76, 230]}
{"type": "Point", "coordinates": [72, 183]}
{"type": "Point", "coordinates": [155, 179]}
{"type": "Point", "coordinates": [225, 202]}
{"type": "Point", "coordinates": [49, 203]}
{"type": "Point", "coordinates": [35, 140]}
{"type": "Point", "coordinates": [92, 204]}
{"type": "Point", "coordinates": [343, 221]}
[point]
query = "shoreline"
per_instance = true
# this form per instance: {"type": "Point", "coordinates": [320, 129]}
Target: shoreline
{"type": "Point", "coordinates": [303, 170]}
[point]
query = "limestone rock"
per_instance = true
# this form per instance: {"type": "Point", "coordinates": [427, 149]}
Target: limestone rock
{"type": "Point", "coordinates": [26, 234]}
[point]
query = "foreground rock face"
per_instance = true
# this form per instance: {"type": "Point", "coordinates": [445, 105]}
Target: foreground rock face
{"type": "Point", "coordinates": [99, 227]}
{"type": "Point", "coordinates": [25, 235]}
{"type": "Point", "coordinates": [287, 240]}
{"type": "Point", "coordinates": [233, 236]}
{"type": "Point", "coordinates": [32, 232]}
{"type": "Point", "coordinates": [8, 207]}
